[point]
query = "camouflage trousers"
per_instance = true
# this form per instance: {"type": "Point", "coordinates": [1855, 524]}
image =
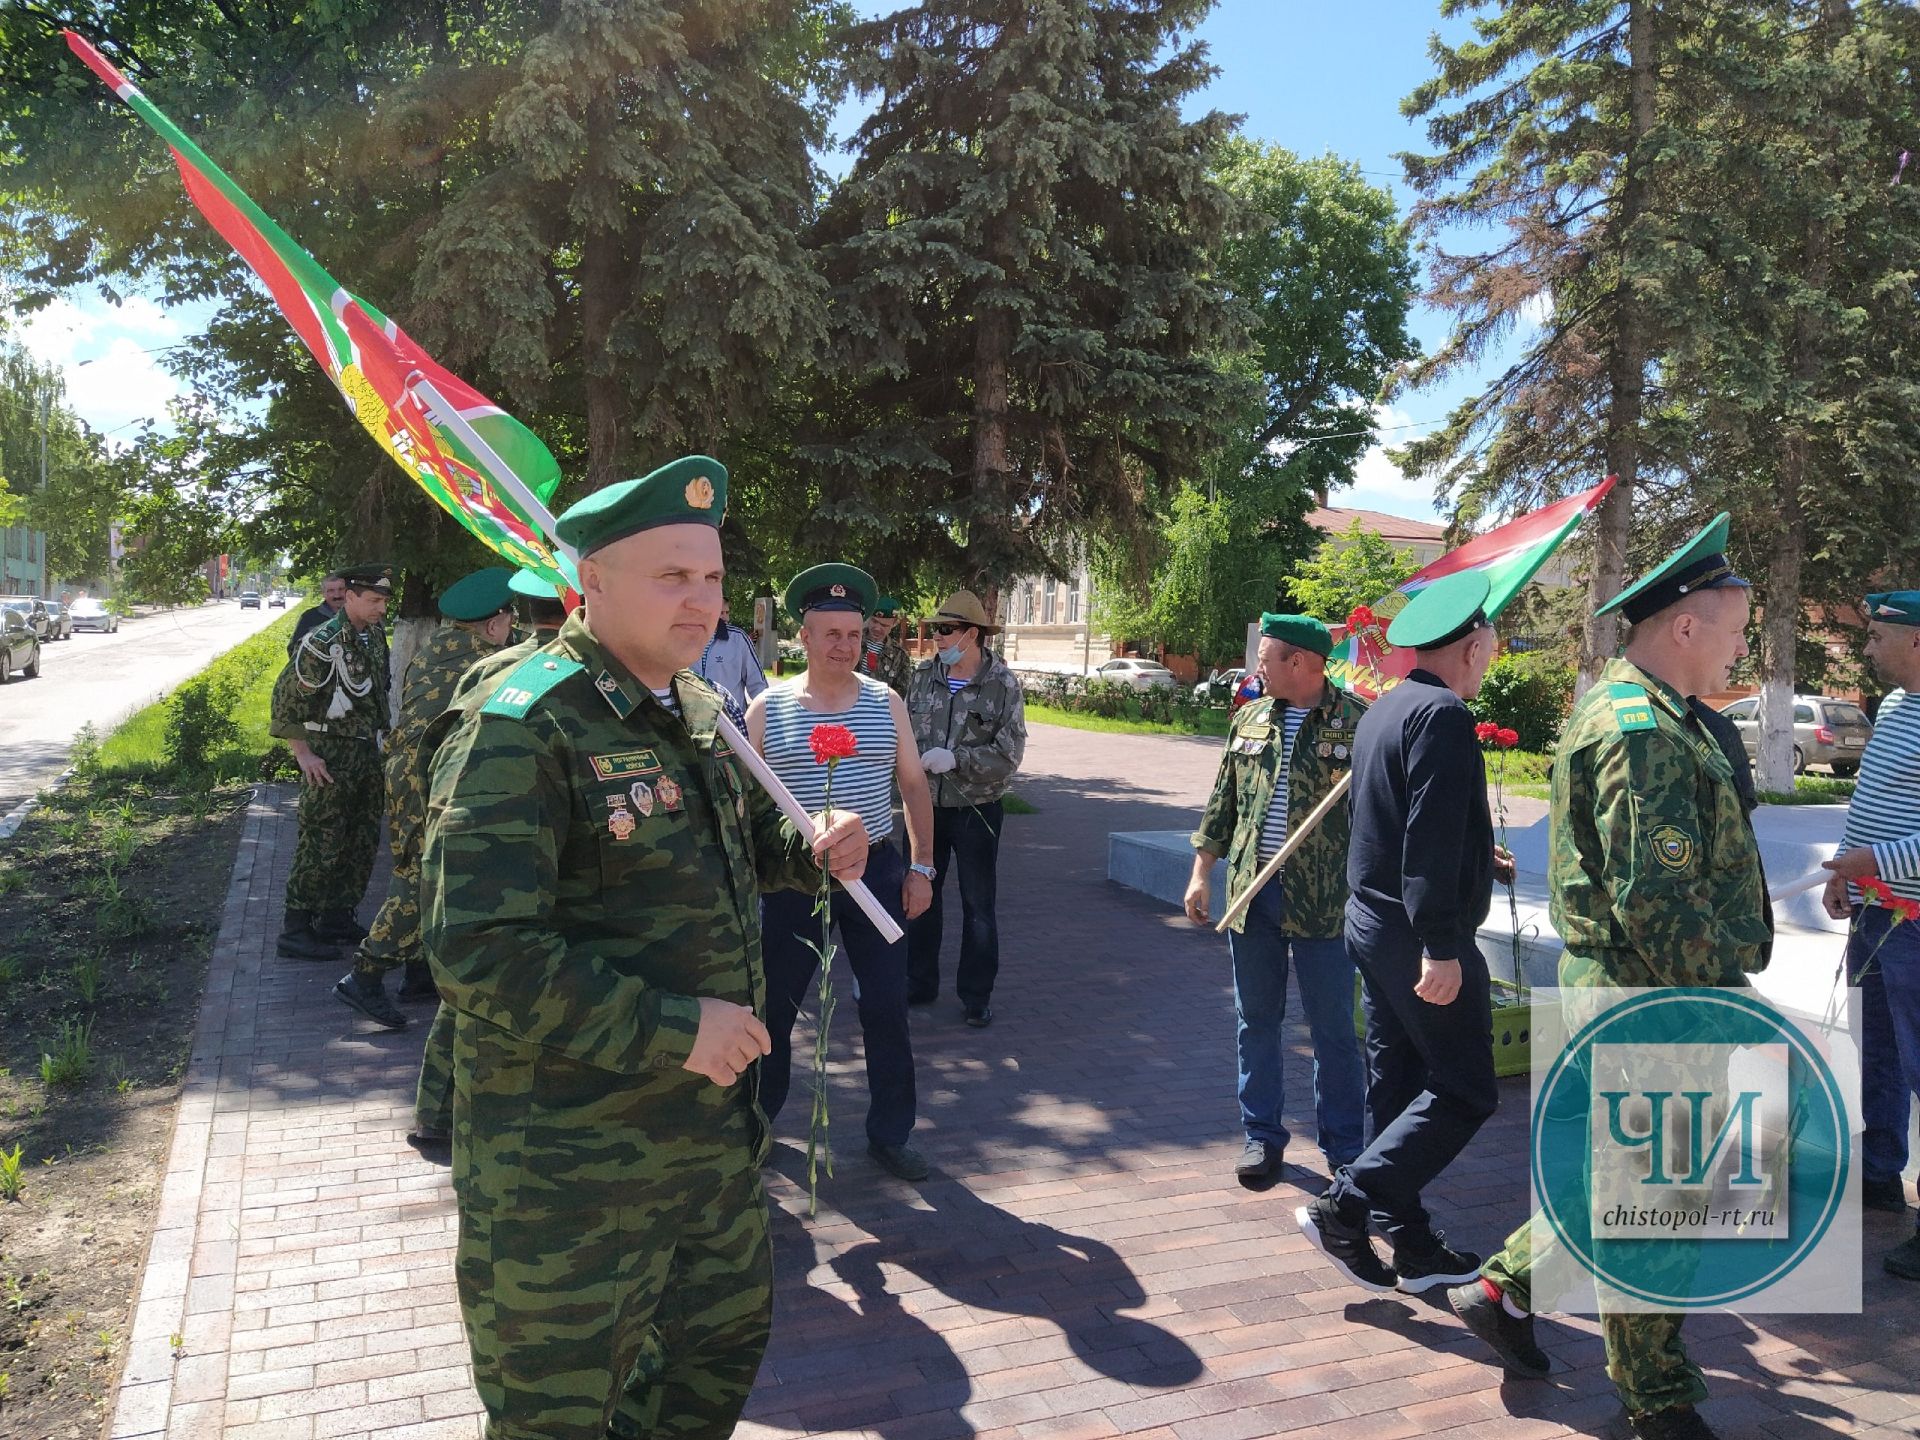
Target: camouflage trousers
{"type": "Point", "coordinates": [394, 937]}
{"type": "Point", "coordinates": [1646, 1360]}
{"type": "Point", "coordinates": [646, 1319]}
{"type": "Point", "coordinates": [433, 1097]}
{"type": "Point", "coordinates": [339, 828]}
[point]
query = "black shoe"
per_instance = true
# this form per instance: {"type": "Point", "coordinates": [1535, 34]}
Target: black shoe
{"type": "Point", "coordinates": [1680, 1422]}
{"type": "Point", "coordinates": [298, 941]}
{"type": "Point", "coordinates": [1887, 1195]}
{"type": "Point", "coordinates": [922, 997]}
{"type": "Point", "coordinates": [1442, 1265]}
{"type": "Point", "coordinates": [369, 997]}
{"type": "Point", "coordinates": [1903, 1261]}
{"type": "Point", "coordinates": [979, 1016]}
{"type": "Point", "coordinates": [1348, 1246]}
{"type": "Point", "coordinates": [418, 982]}
{"type": "Point", "coordinates": [903, 1162]}
{"type": "Point", "coordinates": [435, 1146]}
{"type": "Point", "coordinates": [339, 926]}
{"type": "Point", "coordinates": [1511, 1336]}
{"type": "Point", "coordinates": [1260, 1164]}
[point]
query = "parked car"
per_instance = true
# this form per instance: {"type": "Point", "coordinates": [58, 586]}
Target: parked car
{"type": "Point", "coordinates": [1218, 688]}
{"type": "Point", "coordinates": [19, 645]}
{"type": "Point", "coordinates": [1140, 674]}
{"type": "Point", "coordinates": [59, 622]}
{"type": "Point", "coordinates": [1825, 731]}
{"type": "Point", "coordinates": [33, 610]}
{"type": "Point", "coordinates": [90, 614]}
{"type": "Point", "coordinates": [249, 599]}
{"type": "Point", "coordinates": [277, 600]}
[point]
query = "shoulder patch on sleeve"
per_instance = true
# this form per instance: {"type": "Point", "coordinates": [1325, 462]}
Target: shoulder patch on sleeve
{"type": "Point", "coordinates": [1632, 709]}
{"type": "Point", "coordinates": [527, 682]}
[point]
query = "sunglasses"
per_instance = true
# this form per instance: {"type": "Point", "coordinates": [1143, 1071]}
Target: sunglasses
{"type": "Point", "coordinates": [945, 629]}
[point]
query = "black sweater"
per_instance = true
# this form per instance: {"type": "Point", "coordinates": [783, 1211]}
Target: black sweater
{"type": "Point", "coordinates": [1422, 842]}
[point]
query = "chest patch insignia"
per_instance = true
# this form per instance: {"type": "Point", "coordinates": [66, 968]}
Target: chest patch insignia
{"type": "Point", "coordinates": [1672, 847]}
{"type": "Point", "coordinates": [668, 789]}
{"type": "Point", "coordinates": [642, 794]}
{"type": "Point", "coordinates": [624, 764]}
{"type": "Point", "coordinates": [620, 824]}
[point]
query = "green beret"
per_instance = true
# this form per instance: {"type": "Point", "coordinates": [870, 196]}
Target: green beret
{"type": "Point", "coordinates": [479, 596]}
{"type": "Point", "coordinates": [525, 582]}
{"type": "Point", "coordinates": [886, 607]}
{"type": "Point", "coordinates": [688, 491]}
{"type": "Point", "coordinates": [1700, 564]}
{"type": "Point", "coordinates": [1443, 612]}
{"type": "Point", "coordinates": [831, 587]}
{"type": "Point", "coordinates": [1300, 630]}
{"type": "Point", "coordinates": [367, 577]}
{"type": "Point", "coordinates": [1895, 607]}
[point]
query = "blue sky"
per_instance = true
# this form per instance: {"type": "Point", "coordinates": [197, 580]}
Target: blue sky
{"type": "Point", "coordinates": [1312, 77]}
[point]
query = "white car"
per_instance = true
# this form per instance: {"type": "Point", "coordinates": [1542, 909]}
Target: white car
{"type": "Point", "coordinates": [92, 615]}
{"type": "Point", "coordinates": [1140, 674]}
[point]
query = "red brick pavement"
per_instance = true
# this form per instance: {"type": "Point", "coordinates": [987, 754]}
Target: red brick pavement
{"type": "Point", "coordinates": [1081, 1265]}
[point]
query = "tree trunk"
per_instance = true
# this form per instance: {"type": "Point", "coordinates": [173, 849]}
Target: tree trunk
{"type": "Point", "coordinates": [992, 357]}
{"type": "Point", "coordinates": [603, 291]}
{"type": "Point", "coordinates": [1626, 370]}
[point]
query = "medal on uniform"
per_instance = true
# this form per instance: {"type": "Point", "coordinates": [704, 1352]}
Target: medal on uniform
{"type": "Point", "coordinates": [1339, 752]}
{"type": "Point", "coordinates": [668, 789]}
{"type": "Point", "coordinates": [642, 794]}
{"type": "Point", "coordinates": [620, 824]}
{"type": "Point", "coordinates": [1324, 750]}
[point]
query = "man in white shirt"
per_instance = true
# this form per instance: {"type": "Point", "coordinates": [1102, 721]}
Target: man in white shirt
{"type": "Point", "coordinates": [729, 664]}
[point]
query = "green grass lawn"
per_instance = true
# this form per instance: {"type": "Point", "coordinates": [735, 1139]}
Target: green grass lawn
{"type": "Point", "coordinates": [1210, 722]}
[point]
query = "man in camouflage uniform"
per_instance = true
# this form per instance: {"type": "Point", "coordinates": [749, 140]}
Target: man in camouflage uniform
{"type": "Point", "coordinates": [545, 613]}
{"type": "Point", "coordinates": [480, 608]}
{"type": "Point", "coordinates": [1284, 753]}
{"type": "Point", "coordinates": [592, 875]}
{"type": "Point", "coordinates": [330, 706]}
{"type": "Point", "coordinates": [970, 722]}
{"type": "Point", "coordinates": [883, 656]}
{"type": "Point", "coordinates": [1655, 881]}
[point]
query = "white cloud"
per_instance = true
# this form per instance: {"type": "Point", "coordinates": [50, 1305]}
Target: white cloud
{"type": "Point", "coordinates": [105, 353]}
{"type": "Point", "coordinates": [1377, 481]}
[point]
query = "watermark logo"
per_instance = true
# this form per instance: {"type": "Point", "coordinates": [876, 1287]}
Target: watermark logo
{"type": "Point", "coordinates": [1692, 1150]}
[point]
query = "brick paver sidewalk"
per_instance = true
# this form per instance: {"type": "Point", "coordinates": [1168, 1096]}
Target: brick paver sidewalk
{"type": "Point", "coordinates": [1081, 1264]}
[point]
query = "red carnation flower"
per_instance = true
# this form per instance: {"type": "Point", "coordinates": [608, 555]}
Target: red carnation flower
{"type": "Point", "coordinates": [832, 742]}
{"type": "Point", "coordinates": [1486, 731]}
{"type": "Point", "coordinates": [1907, 909]}
{"type": "Point", "coordinates": [1506, 739]}
{"type": "Point", "coordinates": [1876, 890]}
{"type": "Point", "coordinates": [1360, 618]}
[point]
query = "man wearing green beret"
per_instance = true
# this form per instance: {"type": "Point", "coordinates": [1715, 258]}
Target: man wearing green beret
{"type": "Point", "coordinates": [330, 706]}
{"type": "Point", "coordinates": [1284, 753]}
{"type": "Point", "coordinates": [883, 656]}
{"type": "Point", "coordinates": [1654, 881]}
{"type": "Point", "coordinates": [594, 860]}
{"type": "Point", "coordinates": [1882, 842]}
{"type": "Point", "coordinates": [480, 611]}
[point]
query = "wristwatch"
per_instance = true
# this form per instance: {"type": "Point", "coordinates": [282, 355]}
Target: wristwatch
{"type": "Point", "coordinates": [926, 870]}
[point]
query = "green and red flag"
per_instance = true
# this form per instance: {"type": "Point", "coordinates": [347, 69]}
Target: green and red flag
{"type": "Point", "coordinates": [1365, 663]}
{"type": "Point", "coordinates": [481, 465]}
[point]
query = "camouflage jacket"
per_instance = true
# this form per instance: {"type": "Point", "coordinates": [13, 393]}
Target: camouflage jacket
{"type": "Point", "coordinates": [892, 666]}
{"type": "Point", "coordinates": [335, 685]}
{"type": "Point", "coordinates": [593, 868]}
{"type": "Point", "coordinates": [433, 675]}
{"type": "Point", "coordinates": [1653, 870]}
{"type": "Point", "coordinates": [1316, 875]}
{"type": "Point", "coordinates": [984, 723]}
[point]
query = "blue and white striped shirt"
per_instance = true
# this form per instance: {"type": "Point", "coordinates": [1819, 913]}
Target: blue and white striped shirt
{"type": "Point", "coordinates": [1273, 830]}
{"type": "Point", "coordinates": [1885, 811]}
{"type": "Point", "coordinates": [865, 782]}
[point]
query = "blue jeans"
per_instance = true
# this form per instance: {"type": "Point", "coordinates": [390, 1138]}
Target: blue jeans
{"type": "Point", "coordinates": [1889, 1034]}
{"type": "Point", "coordinates": [1325, 976]}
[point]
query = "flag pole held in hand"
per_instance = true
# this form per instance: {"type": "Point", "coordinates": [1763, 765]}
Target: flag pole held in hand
{"type": "Point", "coordinates": [1295, 839]}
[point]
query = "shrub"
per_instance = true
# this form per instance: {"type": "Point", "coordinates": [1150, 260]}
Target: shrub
{"type": "Point", "coordinates": [1528, 694]}
{"type": "Point", "coordinates": [200, 722]}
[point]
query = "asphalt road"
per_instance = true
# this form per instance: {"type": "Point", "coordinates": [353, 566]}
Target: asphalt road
{"type": "Point", "coordinates": [104, 679]}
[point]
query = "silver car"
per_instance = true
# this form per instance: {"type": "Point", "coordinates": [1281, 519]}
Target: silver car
{"type": "Point", "coordinates": [1825, 731]}
{"type": "Point", "coordinates": [92, 615]}
{"type": "Point", "coordinates": [1140, 674]}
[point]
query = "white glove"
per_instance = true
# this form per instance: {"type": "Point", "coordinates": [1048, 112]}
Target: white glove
{"type": "Point", "coordinates": [937, 761]}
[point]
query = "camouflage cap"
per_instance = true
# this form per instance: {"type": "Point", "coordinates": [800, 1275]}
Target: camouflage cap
{"type": "Point", "coordinates": [1895, 607]}
{"type": "Point", "coordinates": [479, 596]}
{"type": "Point", "coordinates": [370, 576]}
{"type": "Point", "coordinates": [688, 491]}
{"type": "Point", "coordinates": [1301, 631]}
{"type": "Point", "coordinates": [1449, 609]}
{"type": "Point", "coordinates": [830, 587]}
{"type": "Point", "coordinates": [1700, 564]}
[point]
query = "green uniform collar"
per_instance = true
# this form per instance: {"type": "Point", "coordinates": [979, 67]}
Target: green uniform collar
{"type": "Point", "coordinates": [700, 707]}
{"type": "Point", "coordinates": [1661, 693]}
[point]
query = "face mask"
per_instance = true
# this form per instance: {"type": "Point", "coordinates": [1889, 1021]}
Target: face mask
{"type": "Point", "coordinates": [950, 658]}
